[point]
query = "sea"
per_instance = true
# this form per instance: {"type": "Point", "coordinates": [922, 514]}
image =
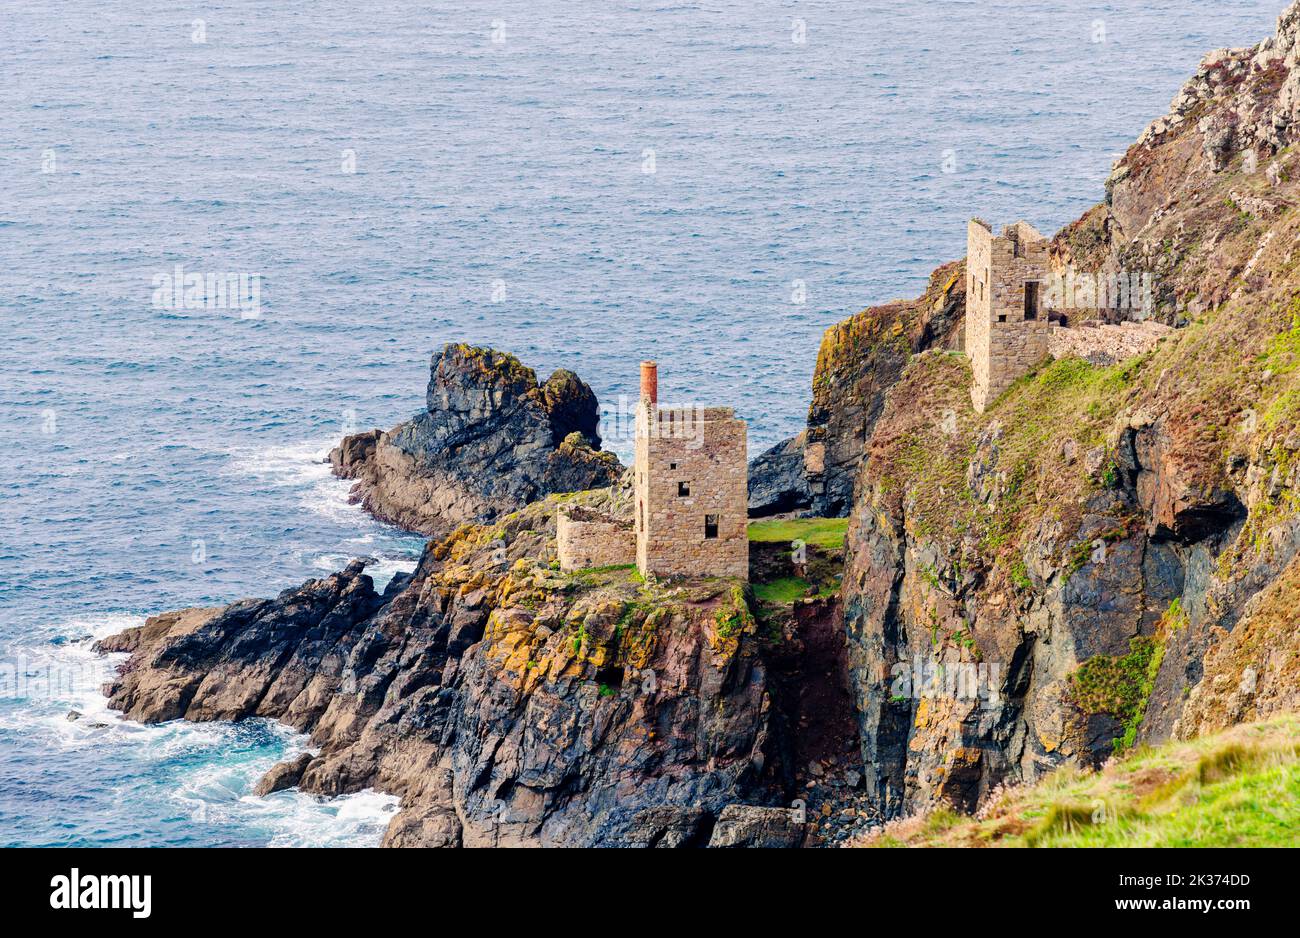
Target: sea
{"type": "Point", "coordinates": [232, 232]}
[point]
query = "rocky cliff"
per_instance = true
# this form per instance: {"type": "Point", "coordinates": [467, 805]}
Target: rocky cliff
{"type": "Point", "coordinates": [490, 440]}
{"type": "Point", "coordinates": [859, 359]}
{"type": "Point", "coordinates": [1100, 560]}
{"type": "Point", "coordinates": [505, 702]}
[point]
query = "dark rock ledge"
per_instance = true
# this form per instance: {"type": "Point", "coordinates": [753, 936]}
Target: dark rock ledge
{"type": "Point", "coordinates": [490, 440]}
{"type": "Point", "coordinates": [505, 703]}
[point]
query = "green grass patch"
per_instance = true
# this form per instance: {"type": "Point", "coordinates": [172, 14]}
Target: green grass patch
{"type": "Point", "coordinates": [612, 568]}
{"type": "Point", "coordinates": [733, 617]}
{"type": "Point", "coordinates": [827, 533]}
{"type": "Point", "coordinates": [1120, 685]}
{"type": "Point", "coordinates": [1238, 788]}
{"type": "Point", "coordinates": [1257, 807]}
{"type": "Point", "coordinates": [593, 577]}
{"type": "Point", "coordinates": [784, 590]}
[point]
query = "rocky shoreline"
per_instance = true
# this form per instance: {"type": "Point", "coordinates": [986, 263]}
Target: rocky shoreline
{"type": "Point", "coordinates": [505, 703]}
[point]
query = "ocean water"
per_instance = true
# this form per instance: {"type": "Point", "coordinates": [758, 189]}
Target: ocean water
{"type": "Point", "coordinates": [586, 185]}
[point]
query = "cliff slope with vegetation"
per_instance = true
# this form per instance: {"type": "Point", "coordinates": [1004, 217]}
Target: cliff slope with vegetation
{"type": "Point", "coordinates": [1106, 552]}
{"type": "Point", "coordinates": [1239, 788]}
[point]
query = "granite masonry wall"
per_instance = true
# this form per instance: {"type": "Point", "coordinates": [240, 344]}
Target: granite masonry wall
{"type": "Point", "coordinates": [587, 539]}
{"type": "Point", "coordinates": [691, 492]}
{"type": "Point", "coordinates": [1005, 335]}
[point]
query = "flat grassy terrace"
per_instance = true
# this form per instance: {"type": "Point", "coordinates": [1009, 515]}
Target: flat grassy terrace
{"type": "Point", "coordinates": [826, 533]}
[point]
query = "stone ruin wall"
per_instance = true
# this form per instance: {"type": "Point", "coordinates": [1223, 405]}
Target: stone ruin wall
{"type": "Point", "coordinates": [978, 310]}
{"type": "Point", "coordinates": [706, 450]}
{"type": "Point", "coordinates": [1106, 343]}
{"type": "Point", "coordinates": [588, 540]}
{"type": "Point", "coordinates": [1001, 342]}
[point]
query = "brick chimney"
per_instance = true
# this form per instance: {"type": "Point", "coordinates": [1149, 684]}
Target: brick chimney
{"type": "Point", "coordinates": [650, 382]}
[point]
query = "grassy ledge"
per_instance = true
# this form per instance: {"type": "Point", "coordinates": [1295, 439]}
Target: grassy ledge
{"type": "Point", "coordinates": [827, 533]}
{"type": "Point", "coordinates": [1238, 788]}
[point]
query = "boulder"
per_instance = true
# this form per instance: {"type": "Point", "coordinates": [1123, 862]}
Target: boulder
{"type": "Point", "coordinates": [283, 775]}
{"type": "Point", "coordinates": [743, 825]}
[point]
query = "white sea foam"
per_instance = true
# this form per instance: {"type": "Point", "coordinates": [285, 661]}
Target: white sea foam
{"type": "Point", "coordinates": [211, 768]}
{"type": "Point", "coordinates": [63, 674]}
{"type": "Point", "coordinates": [300, 465]}
{"type": "Point", "coordinates": [293, 465]}
{"type": "Point", "coordinates": [328, 497]}
{"type": "Point", "coordinates": [298, 820]}
{"type": "Point", "coordinates": [303, 466]}
{"type": "Point", "coordinates": [382, 569]}
{"type": "Point", "coordinates": [221, 793]}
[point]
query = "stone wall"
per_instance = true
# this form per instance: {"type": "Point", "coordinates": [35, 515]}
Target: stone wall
{"type": "Point", "coordinates": [1013, 350]}
{"type": "Point", "coordinates": [587, 539]}
{"type": "Point", "coordinates": [979, 243]}
{"type": "Point", "coordinates": [691, 488]}
{"type": "Point", "coordinates": [1106, 343]}
{"type": "Point", "coordinates": [1003, 342]}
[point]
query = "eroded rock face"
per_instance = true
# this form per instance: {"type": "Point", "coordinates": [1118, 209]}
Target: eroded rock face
{"type": "Point", "coordinates": [777, 482]}
{"type": "Point", "coordinates": [755, 827]}
{"type": "Point", "coordinates": [283, 775]}
{"type": "Point", "coordinates": [504, 702]}
{"type": "Point", "coordinates": [1252, 672]}
{"type": "Point", "coordinates": [490, 441]}
{"type": "Point", "coordinates": [990, 558]}
{"type": "Point", "coordinates": [1182, 202]}
{"type": "Point", "coordinates": [962, 662]}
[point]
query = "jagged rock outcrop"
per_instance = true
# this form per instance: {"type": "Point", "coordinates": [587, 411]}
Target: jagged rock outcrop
{"type": "Point", "coordinates": [777, 481]}
{"type": "Point", "coordinates": [506, 703]}
{"type": "Point", "coordinates": [755, 827]}
{"type": "Point", "coordinates": [283, 775]}
{"type": "Point", "coordinates": [858, 361]}
{"type": "Point", "coordinates": [1195, 197]}
{"type": "Point", "coordinates": [490, 440]}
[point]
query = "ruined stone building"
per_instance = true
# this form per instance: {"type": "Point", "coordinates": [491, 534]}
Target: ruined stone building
{"type": "Point", "coordinates": [691, 488]}
{"type": "Point", "coordinates": [587, 539]}
{"type": "Point", "coordinates": [1011, 320]}
{"type": "Point", "coordinates": [690, 482]}
{"type": "Point", "coordinates": [1006, 327]}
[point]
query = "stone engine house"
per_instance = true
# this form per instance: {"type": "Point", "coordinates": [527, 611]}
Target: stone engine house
{"type": "Point", "coordinates": [1012, 322]}
{"type": "Point", "coordinates": [1007, 329]}
{"type": "Point", "coordinates": [690, 490]}
{"type": "Point", "coordinates": [691, 487]}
